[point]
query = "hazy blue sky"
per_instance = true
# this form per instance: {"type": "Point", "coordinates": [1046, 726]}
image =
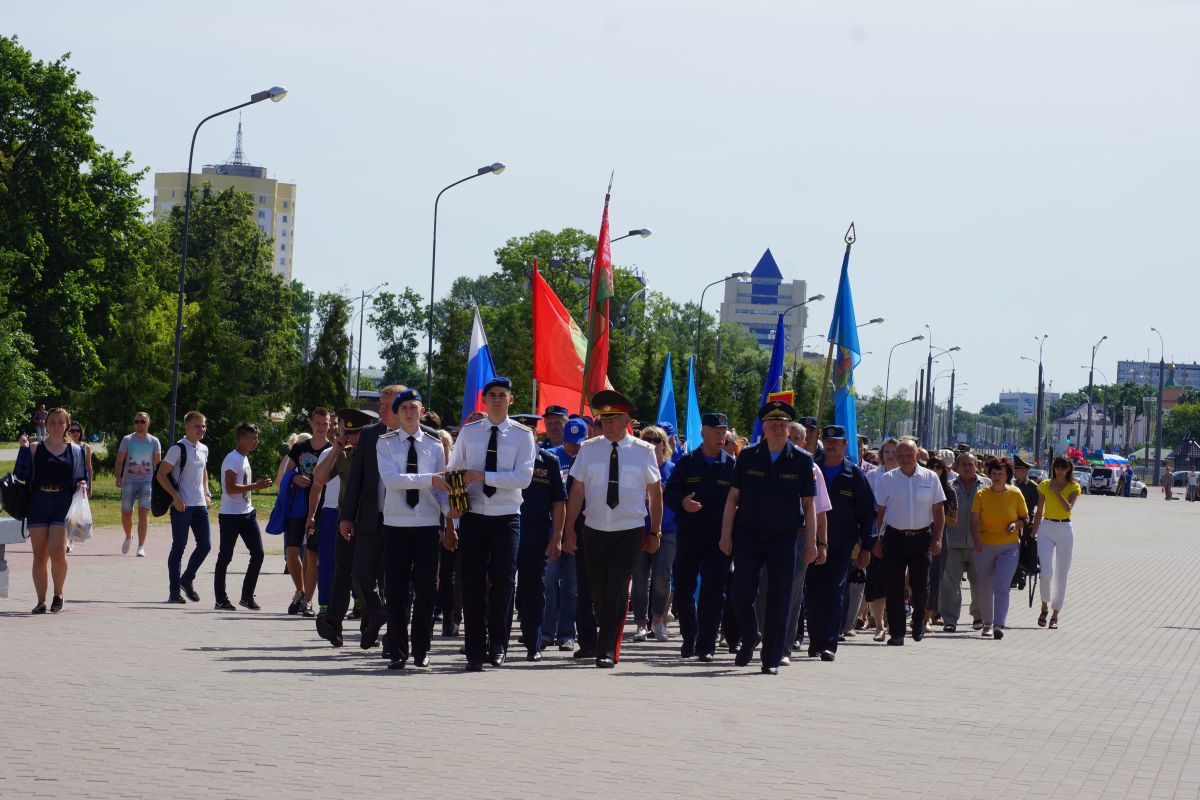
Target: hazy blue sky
{"type": "Point", "coordinates": [1014, 168]}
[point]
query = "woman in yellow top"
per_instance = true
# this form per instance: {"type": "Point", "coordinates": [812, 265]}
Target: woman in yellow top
{"type": "Point", "coordinates": [997, 516]}
{"type": "Point", "coordinates": [1055, 540]}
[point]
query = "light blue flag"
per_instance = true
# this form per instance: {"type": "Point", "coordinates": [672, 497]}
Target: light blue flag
{"type": "Point", "coordinates": [843, 333]}
{"type": "Point", "coordinates": [666, 398]}
{"type": "Point", "coordinates": [774, 382]}
{"type": "Point", "coordinates": [692, 425]}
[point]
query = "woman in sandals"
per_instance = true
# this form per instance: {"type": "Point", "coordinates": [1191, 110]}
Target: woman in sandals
{"type": "Point", "coordinates": [1055, 540]}
{"type": "Point", "coordinates": [58, 470]}
{"type": "Point", "coordinates": [997, 515]}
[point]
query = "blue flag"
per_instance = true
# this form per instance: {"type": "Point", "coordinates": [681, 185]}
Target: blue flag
{"type": "Point", "coordinates": [692, 424]}
{"type": "Point", "coordinates": [843, 333]}
{"type": "Point", "coordinates": [666, 398]}
{"type": "Point", "coordinates": [774, 382]}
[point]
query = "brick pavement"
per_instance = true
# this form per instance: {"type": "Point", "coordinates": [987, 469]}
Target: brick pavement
{"type": "Point", "coordinates": [123, 696]}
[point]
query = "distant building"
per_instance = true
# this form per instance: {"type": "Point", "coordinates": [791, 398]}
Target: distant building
{"type": "Point", "coordinates": [756, 304]}
{"type": "Point", "coordinates": [1023, 405]}
{"type": "Point", "coordinates": [274, 201]}
{"type": "Point", "coordinates": [1145, 373]}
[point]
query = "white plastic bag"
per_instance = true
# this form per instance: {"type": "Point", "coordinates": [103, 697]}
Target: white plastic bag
{"type": "Point", "coordinates": [79, 517]}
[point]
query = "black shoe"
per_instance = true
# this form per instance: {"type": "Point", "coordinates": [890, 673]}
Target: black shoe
{"type": "Point", "coordinates": [604, 662]}
{"type": "Point", "coordinates": [581, 654]}
{"type": "Point", "coordinates": [744, 654]}
{"type": "Point", "coordinates": [734, 647]}
{"type": "Point", "coordinates": [687, 650]}
{"type": "Point", "coordinates": [769, 670]}
{"type": "Point", "coordinates": [895, 642]}
{"type": "Point", "coordinates": [949, 627]}
{"type": "Point", "coordinates": [370, 634]}
{"type": "Point", "coordinates": [175, 598]}
{"type": "Point", "coordinates": [40, 608]}
{"type": "Point", "coordinates": [296, 605]}
{"type": "Point", "coordinates": [918, 635]}
{"type": "Point", "coordinates": [248, 602]}
{"type": "Point", "coordinates": [534, 655]}
{"type": "Point", "coordinates": [708, 658]}
{"type": "Point", "coordinates": [828, 655]}
{"type": "Point", "coordinates": [307, 611]}
{"type": "Point", "coordinates": [357, 611]}
{"type": "Point", "coordinates": [421, 660]}
{"type": "Point", "coordinates": [977, 624]}
{"type": "Point", "coordinates": [474, 666]}
{"type": "Point", "coordinates": [997, 633]}
{"type": "Point", "coordinates": [449, 629]}
{"type": "Point", "coordinates": [56, 606]}
{"type": "Point", "coordinates": [224, 605]}
{"type": "Point", "coordinates": [497, 659]}
{"type": "Point", "coordinates": [189, 591]}
{"type": "Point", "coordinates": [397, 664]}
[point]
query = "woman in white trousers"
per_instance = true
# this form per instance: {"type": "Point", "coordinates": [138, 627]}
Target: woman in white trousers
{"type": "Point", "coordinates": [1055, 539]}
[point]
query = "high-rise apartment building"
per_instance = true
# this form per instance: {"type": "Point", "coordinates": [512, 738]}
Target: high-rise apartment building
{"type": "Point", "coordinates": [274, 201]}
{"type": "Point", "coordinates": [756, 304]}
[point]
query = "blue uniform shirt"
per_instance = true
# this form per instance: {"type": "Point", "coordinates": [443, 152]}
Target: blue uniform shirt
{"type": "Point", "coordinates": [710, 481]}
{"type": "Point", "coordinates": [771, 490]}
{"type": "Point", "coordinates": [851, 520]}
{"type": "Point", "coordinates": [544, 490]}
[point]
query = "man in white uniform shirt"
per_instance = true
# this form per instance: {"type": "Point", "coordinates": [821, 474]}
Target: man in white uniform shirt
{"type": "Point", "coordinates": [911, 518]}
{"type": "Point", "coordinates": [414, 500]}
{"type": "Point", "coordinates": [497, 454]}
{"type": "Point", "coordinates": [618, 477]}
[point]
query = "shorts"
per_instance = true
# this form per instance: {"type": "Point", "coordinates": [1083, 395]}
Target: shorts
{"type": "Point", "coordinates": [293, 533]}
{"type": "Point", "coordinates": [139, 491]}
{"type": "Point", "coordinates": [48, 508]}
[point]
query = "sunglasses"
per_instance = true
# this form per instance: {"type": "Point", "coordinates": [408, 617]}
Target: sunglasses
{"type": "Point", "coordinates": [140, 421]}
{"type": "Point", "coordinates": [74, 430]}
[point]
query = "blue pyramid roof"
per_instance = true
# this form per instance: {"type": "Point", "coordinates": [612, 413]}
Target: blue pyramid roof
{"type": "Point", "coordinates": [766, 267]}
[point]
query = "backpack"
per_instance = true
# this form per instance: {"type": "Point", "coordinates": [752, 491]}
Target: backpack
{"type": "Point", "coordinates": [160, 498]}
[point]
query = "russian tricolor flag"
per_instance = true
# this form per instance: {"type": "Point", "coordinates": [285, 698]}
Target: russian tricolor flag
{"type": "Point", "coordinates": [479, 370]}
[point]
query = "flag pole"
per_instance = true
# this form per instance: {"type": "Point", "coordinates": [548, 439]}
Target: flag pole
{"type": "Point", "coordinates": [584, 398]}
{"type": "Point", "coordinates": [849, 238]}
{"type": "Point", "coordinates": [532, 380]}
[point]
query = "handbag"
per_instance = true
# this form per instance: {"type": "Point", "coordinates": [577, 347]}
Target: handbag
{"type": "Point", "coordinates": [14, 496]}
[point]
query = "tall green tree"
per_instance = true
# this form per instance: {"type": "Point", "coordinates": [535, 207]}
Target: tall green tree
{"type": "Point", "coordinates": [323, 377]}
{"type": "Point", "coordinates": [399, 320]}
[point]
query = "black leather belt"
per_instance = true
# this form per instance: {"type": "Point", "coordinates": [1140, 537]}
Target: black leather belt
{"type": "Point", "coordinates": [903, 532]}
{"type": "Point", "coordinates": [1052, 519]}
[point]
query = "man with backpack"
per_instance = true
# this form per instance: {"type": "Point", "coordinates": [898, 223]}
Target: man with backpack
{"type": "Point", "coordinates": [183, 474]}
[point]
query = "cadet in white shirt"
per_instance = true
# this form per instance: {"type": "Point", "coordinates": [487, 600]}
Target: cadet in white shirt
{"type": "Point", "coordinates": [910, 518]}
{"type": "Point", "coordinates": [497, 454]}
{"type": "Point", "coordinates": [618, 476]}
{"type": "Point", "coordinates": [414, 500]}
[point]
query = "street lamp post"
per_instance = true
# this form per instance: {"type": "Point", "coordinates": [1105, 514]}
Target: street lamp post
{"type": "Point", "coordinates": [275, 93]}
{"type": "Point", "coordinates": [1091, 369]}
{"type": "Point", "coordinates": [488, 169]}
{"type": "Point", "coordinates": [362, 305]}
{"type": "Point", "coordinates": [1041, 401]}
{"type": "Point", "coordinates": [888, 380]}
{"type": "Point", "coordinates": [740, 276]}
{"type": "Point", "coordinates": [1162, 369]}
{"type": "Point", "coordinates": [954, 367]}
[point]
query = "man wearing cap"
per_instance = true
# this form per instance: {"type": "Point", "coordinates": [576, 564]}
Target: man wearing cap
{"type": "Point", "coordinates": [1028, 488]}
{"type": "Point", "coordinates": [696, 492]}
{"type": "Point", "coordinates": [617, 475]}
{"type": "Point", "coordinates": [911, 516]}
{"type": "Point", "coordinates": [812, 438]}
{"type": "Point", "coordinates": [794, 635]}
{"type": "Point", "coordinates": [850, 521]}
{"type": "Point", "coordinates": [498, 455]}
{"type": "Point", "coordinates": [554, 418]}
{"type": "Point", "coordinates": [567, 594]}
{"type": "Point", "coordinates": [543, 510]}
{"type": "Point", "coordinates": [768, 503]}
{"type": "Point", "coordinates": [410, 464]}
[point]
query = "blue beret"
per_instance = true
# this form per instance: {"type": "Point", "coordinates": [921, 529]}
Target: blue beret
{"type": "Point", "coordinates": [404, 397]}
{"type": "Point", "coordinates": [503, 383]}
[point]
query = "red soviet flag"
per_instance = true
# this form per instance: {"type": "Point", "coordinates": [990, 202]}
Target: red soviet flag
{"type": "Point", "coordinates": [595, 363]}
{"type": "Point", "coordinates": [558, 343]}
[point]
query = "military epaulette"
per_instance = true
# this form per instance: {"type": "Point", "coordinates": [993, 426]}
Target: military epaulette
{"type": "Point", "coordinates": [519, 426]}
{"type": "Point", "coordinates": [389, 434]}
{"type": "Point", "coordinates": [476, 422]}
{"type": "Point", "coordinates": [642, 443]}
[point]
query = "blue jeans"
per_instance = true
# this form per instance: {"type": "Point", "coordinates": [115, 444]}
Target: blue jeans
{"type": "Point", "coordinates": [995, 567]}
{"type": "Point", "coordinates": [196, 518]}
{"type": "Point", "coordinates": [562, 593]}
{"type": "Point", "coordinates": [652, 580]}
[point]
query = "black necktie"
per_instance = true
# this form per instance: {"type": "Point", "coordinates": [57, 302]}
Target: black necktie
{"type": "Point", "coordinates": [613, 479]}
{"type": "Point", "coordinates": [412, 496]}
{"type": "Point", "coordinates": [489, 463]}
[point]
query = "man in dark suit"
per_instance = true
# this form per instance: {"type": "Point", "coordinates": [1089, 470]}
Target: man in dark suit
{"type": "Point", "coordinates": [361, 520]}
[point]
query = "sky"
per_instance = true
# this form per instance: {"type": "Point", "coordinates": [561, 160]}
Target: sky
{"type": "Point", "coordinates": [1013, 168]}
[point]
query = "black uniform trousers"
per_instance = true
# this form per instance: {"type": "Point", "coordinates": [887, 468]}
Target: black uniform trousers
{"type": "Point", "coordinates": [488, 559]}
{"type": "Point", "coordinates": [410, 556]}
{"type": "Point", "coordinates": [368, 563]}
{"type": "Point", "coordinates": [825, 598]}
{"type": "Point", "coordinates": [449, 589]}
{"type": "Point", "coordinates": [343, 571]}
{"type": "Point", "coordinates": [902, 552]}
{"type": "Point", "coordinates": [585, 613]}
{"type": "Point", "coordinates": [752, 548]}
{"type": "Point", "coordinates": [698, 554]}
{"type": "Point", "coordinates": [531, 584]}
{"type": "Point", "coordinates": [610, 559]}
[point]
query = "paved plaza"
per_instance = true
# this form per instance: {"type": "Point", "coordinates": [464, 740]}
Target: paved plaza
{"type": "Point", "coordinates": [124, 696]}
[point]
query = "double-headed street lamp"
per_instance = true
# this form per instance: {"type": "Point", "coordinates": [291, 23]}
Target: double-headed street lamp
{"type": "Point", "coordinates": [487, 169]}
{"type": "Point", "coordinates": [954, 368]}
{"type": "Point", "coordinates": [362, 307]}
{"type": "Point", "coordinates": [1091, 369]}
{"type": "Point", "coordinates": [1104, 407]}
{"type": "Point", "coordinates": [275, 93]}
{"type": "Point", "coordinates": [741, 277]}
{"type": "Point", "coordinates": [1162, 369]}
{"type": "Point", "coordinates": [1039, 408]}
{"type": "Point", "coordinates": [887, 381]}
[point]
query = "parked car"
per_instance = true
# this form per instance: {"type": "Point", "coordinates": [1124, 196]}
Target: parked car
{"type": "Point", "coordinates": [1038, 475]}
{"type": "Point", "coordinates": [1104, 480]}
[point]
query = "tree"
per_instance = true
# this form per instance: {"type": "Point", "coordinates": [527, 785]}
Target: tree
{"type": "Point", "coordinates": [20, 383]}
{"type": "Point", "coordinates": [995, 410]}
{"type": "Point", "coordinates": [1179, 422]}
{"type": "Point", "coordinates": [323, 378]}
{"type": "Point", "coordinates": [399, 321]}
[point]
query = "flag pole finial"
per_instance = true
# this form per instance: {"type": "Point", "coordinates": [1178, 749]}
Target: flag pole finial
{"type": "Point", "coordinates": [850, 236]}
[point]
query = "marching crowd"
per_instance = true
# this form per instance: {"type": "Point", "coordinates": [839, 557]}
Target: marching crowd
{"type": "Point", "coordinates": [785, 546]}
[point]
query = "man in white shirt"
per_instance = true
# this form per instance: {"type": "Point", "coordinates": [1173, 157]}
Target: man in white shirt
{"type": "Point", "coordinates": [414, 500]}
{"type": "Point", "coordinates": [618, 476]}
{"type": "Point", "coordinates": [236, 519]}
{"type": "Point", "coordinates": [497, 455]}
{"type": "Point", "coordinates": [911, 518]}
{"type": "Point", "coordinates": [189, 507]}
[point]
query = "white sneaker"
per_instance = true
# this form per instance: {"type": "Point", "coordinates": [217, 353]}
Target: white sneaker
{"type": "Point", "coordinates": [69, 546]}
{"type": "Point", "coordinates": [986, 631]}
{"type": "Point", "coordinates": [141, 552]}
{"type": "Point", "coordinates": [660, 632]}
{"type": "Point", "coordinates": [125, 545]}
{"type": "Point", "coordinates": [640, 634]}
